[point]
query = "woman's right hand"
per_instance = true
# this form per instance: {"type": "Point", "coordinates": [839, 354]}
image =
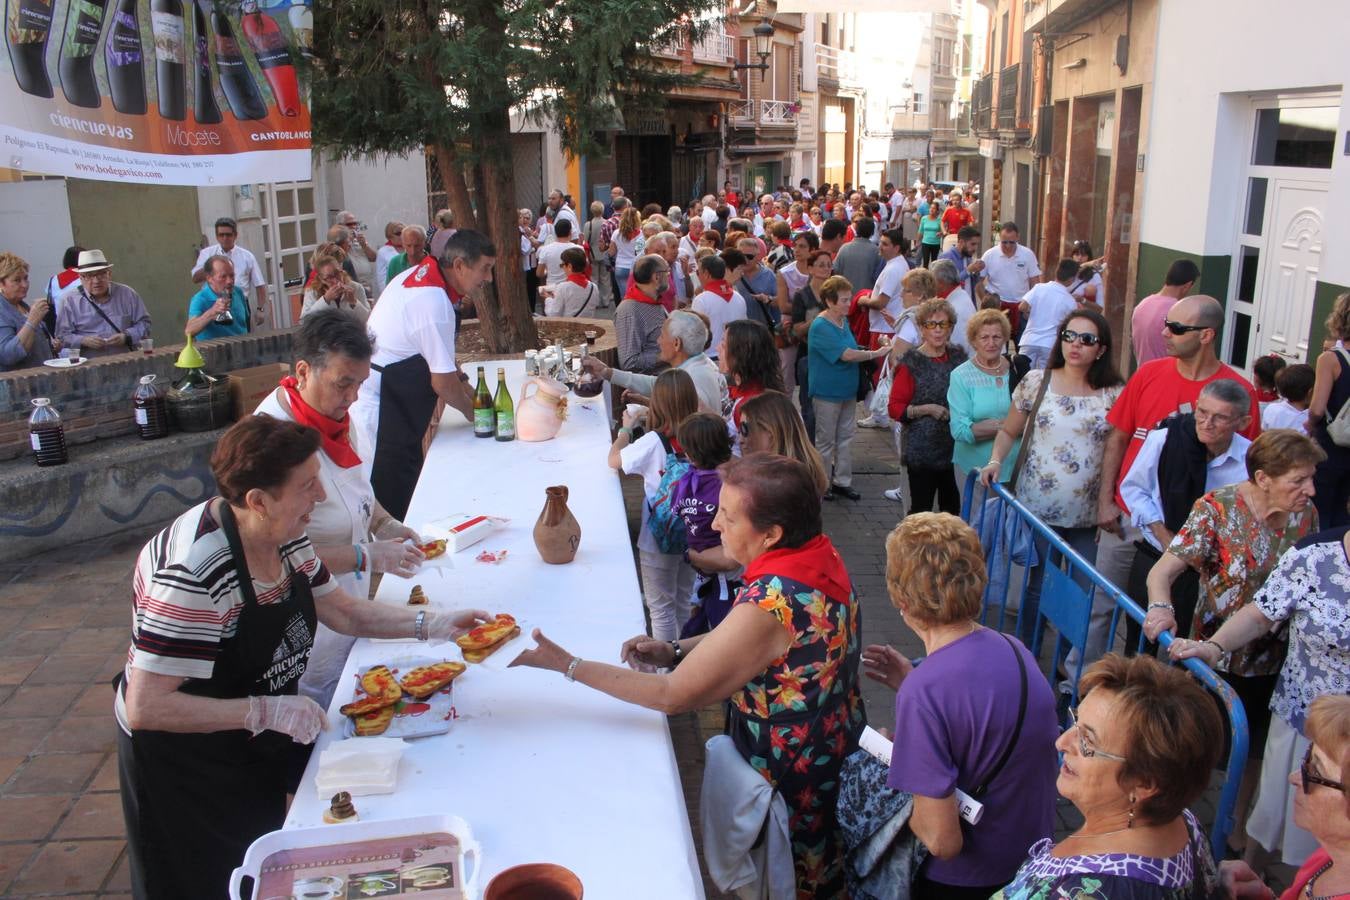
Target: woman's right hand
{"type": "Point", "coordinates": [38, 311]}
{"type": "Point", "coordinates": [882, 662]}
{"type": "Point", "coordinates": [395, 557]}
{"type": "Point", "coordinates": [645, 654]}
{"type": "Point", "coordinates": [1158, 620]}
{"type": "Point", "coordinates": [294, 715]}
{"type": "Point", "coordinates": [988, 472]}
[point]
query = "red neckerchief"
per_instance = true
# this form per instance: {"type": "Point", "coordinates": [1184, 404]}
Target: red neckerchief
{"type": "Point", "coordinates": [739, 393]}
{"type": "Point", "coordinates": [313, 276]}
{"type": "Point", "coordinates": [333, 433]}
{"type": "Point", "coordinates": [426, 274]}
{"type": "Point", "coordinates": [635, 293]}
{"type": "Point", "coordinates": [65, 277]}
{"type": "Point", "coordinates": [1265, 396]}
{"type": "Point", "coordinates": [815, 564]}
{"type": "Point", "coordinates": [579, 279]}
{"type": "Point", "coordinates": [395, 246]}
{"type": "Point", "coordinates": [719, 287]}
{"type": "Point", "coordinates": [943, 294]}
{"type": "Point", "coordinates": [797, 224]}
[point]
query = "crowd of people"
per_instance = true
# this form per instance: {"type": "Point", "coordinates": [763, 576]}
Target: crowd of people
{"type": "Point", "coordinates": [754, 337]}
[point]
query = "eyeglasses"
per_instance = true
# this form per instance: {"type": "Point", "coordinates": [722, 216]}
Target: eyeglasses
{"type": "Point", "coordinates": [224, 234]}
{"type": "Point", "coordinates": [1310, 777]}
{"type": "Point", "coordinates": [1178, 328]}
{"type": "Point", "coordinates": [1087, 339]}
{"type": "Point", "coordinates": [1204, 418]}
{"type": "Point", "coordinates": [100, 275]}
{"type": "Point", "coordinates": [1083, 747]}
{"type": "Point", "coordinates": [937, 326]}
{"type": "Point", "coordinates": [745, 428]}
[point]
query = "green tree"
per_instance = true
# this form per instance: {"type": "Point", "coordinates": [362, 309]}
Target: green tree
{"type": "Point", "coordinates": [391, 76]}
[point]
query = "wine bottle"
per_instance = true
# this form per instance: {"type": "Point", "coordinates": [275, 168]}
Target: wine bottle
{"type": "Point", "coordinates": [126, 63]}
{"type": "Point", "coordinates": [484, 414]}
{"type": "Point", "coordinates": [28, 23]}
{"type": "Point", "coordinates": [504, 409]}
{"type": "Point", "coordinates": [268, 44]}
{"type": "Point", "coordinates": [166, 24]}
{"type": "Point", "coordinates": [84, 26]}
{"type": "Point", "coordinates": [206, 110]}
{"type": "Point", "coordinates": [235, 78]}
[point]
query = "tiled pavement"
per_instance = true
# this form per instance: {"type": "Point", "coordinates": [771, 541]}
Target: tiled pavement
{"type": "Point", "coordinates": [64, 618]}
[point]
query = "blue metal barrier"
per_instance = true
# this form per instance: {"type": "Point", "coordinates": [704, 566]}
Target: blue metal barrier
{"type": "Point", "coordinates": [1068, 586]}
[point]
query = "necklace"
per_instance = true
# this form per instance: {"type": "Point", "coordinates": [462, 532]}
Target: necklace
{"type": "Point", "coordinates": [1308, 888]}
{"type": "Point", "coordinates": [995, 371]}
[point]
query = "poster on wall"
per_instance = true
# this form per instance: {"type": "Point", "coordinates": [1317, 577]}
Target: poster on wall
{"type": "Point", "coordinates": [188, 92]}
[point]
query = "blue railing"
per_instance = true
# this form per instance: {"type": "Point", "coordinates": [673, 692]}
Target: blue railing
{"type": "Point", "coordinates": [1068, 586]}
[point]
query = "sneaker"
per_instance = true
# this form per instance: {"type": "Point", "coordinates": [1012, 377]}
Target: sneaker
{"type": "Point", "coordinates": [873, 422]}
{"type": "Point", "coordinates": [894, 494]}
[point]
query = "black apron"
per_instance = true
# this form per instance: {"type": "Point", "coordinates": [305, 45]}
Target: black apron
{"type": "Point", "coordinates": [407, 401]}
{"type": "Point", "coordinates": [195, 802]}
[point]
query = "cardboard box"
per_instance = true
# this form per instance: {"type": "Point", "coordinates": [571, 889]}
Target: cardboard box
{"type": "Point", "coordinates": [248, 387]}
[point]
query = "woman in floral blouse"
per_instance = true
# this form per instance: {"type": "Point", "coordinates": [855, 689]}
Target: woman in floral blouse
{"type": "Point", "coordinates": [787, 657]}
{"type": "Point", "coordinates": [1063, 444]}
{"type": "Point", "coordinates": [1310, 590]}
{"type": "Point", "coordinates": [1234, 537]}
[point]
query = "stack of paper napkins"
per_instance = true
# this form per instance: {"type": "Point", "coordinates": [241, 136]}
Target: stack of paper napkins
{"type": "Point", "coordinates": [359, 766]}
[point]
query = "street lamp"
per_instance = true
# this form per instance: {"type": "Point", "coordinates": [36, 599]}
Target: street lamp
{"type": "Point", "coordinates": [763, 47]}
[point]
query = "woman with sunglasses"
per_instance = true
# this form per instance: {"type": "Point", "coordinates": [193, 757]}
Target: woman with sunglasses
{"type": "Point", "coordinates": [1309, 591]}
{"type": "Point", "coordinates": [919, 399]}
{"type": "Point", "coordinates": [1322, 803]}
{"type": "Point", "coordinates": [1059, 413]}
{"type": "Point", "coordinates": [1132, 774]}
{"type": "Point", "coordinates": [771, 424]}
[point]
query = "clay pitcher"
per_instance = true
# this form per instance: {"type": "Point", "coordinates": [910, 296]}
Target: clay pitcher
{"type": "Point", "coordinates": [557, 534]}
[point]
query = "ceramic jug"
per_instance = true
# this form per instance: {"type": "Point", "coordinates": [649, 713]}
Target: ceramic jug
{"type": "Point", "coordinates": [557, 534]}
{"type": "Point", "coordinates": [541, 409]}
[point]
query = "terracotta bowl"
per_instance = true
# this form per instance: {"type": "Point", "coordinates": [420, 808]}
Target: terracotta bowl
{"type": "Point", "coordinates": [534, 881]}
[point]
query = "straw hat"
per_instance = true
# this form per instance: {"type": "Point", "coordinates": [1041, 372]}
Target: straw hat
{"type": "Point", "coordinates": [92, 261]}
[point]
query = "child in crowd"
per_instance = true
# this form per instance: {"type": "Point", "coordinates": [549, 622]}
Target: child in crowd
{"type": "Point", "coordinates": [1264, 371]}
{"type": "Point", "coordinates": [1295, 384]}
{"type": "Point", "coordinates": [706, 443]}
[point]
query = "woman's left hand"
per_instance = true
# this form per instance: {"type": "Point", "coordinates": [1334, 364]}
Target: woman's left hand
{"type": "Point", "coordinates": [394, 530]}
{"type": "Point", "coordinates": [446, 626]}
{"type": "Point", "coordinates": [394, 557]}
{"type": "Point", "coordinates": [1158, 620]}
{"type": "Point", "coordinates": [882, 662]}
{"type": "Point", "coordinates": [1241, 883]}
{"type": "Point", "coordinates": [1183, 648]}
{"type": "Point", "coordinates": [545, 655]}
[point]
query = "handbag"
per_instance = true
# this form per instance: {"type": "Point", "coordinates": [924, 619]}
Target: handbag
{"type": "Point", "coordinates": [1027, 432]}
{"type": "Point", "coordinates": [881, 398]}
{"type": "Point", "coordinates": [1338, 428]}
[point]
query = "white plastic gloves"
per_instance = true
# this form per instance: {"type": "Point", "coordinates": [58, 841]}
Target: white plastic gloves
{"type": "Point", "coordinates": [296, 716]}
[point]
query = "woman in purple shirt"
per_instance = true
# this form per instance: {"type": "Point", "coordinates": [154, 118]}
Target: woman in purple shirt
{"type": "Point", "coordinates": [976, 714]}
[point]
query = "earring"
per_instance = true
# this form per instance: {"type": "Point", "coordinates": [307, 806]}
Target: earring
{"type": "Point", "coordinates": [1130, 824]}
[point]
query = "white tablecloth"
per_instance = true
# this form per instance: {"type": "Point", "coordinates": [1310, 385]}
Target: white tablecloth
{"type": "Point", "coordinates": [542, 770]}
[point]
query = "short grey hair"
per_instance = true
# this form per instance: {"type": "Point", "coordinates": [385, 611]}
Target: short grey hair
{"type": "Point", "coordinates": [597, 208]}
{"type": "Point", "coordinates": [445, 218]}
{"type": "Point", "coordinates": [344, 214]}
{"type": "Point", "coordinates": [415, 229]}
{"type": "Point", "coordinates": [667, 237]}
{"type": "Point", "coordinates": [619, 203]}
{"type": "Point", "coordinates": [689, 330]}
{"type": "Point", "coordinates": [1227, 390]}
{"type": "Point", "coordinates": [944, 270]}
{"type": "Point", "coordinates": [339, 234]}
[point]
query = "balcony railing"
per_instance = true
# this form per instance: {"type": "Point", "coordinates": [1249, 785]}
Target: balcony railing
{"type": "Point", "coordinates": [715, 47]}
{"type": "Point", "coordinates": [742, 112]}
{"type": "Point", "coordinates": [777, 112]}
{"type": "Point", "coordinates": [672, 49]}
{"type": "Point", "coordinates": [840, 65]}
{"type": "Point", "coordinates": [981, 101]}
{"type": "Point", "coordinates": [1007, 97]}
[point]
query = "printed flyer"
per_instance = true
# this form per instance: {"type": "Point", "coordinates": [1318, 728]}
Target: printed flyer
{"type": "Point", "coordinates": [189, 92]}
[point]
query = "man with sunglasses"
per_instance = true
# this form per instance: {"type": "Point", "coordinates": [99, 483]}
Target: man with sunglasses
{"type": "Point", "coordinates": [247, 272]}
{"type": "Point", "coordinates": [1010, 269]}
{"type": "Point", "coordinates": [1156, 392]}
{"type": "Point", "coordinates": [1146, 322]}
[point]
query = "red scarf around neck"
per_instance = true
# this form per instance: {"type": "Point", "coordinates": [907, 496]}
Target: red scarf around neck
{"type": "Point", "coordinates": [635, 293]}
{"type": "Point", "coordinates": [815, 564]}
{"type": "Point", "coordinates": [579, 279]}
{"type": "Point", "coordinates": [719, 287]}
{"type": "Point", "coordinates": [332, 432]}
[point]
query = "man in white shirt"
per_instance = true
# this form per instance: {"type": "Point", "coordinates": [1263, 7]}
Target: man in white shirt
{"type": "Point", "coordinates": [414, 363]}
{"type": "Point", "coordinates": [393, 246]}
{"type": "Point", "coordinates": [719, 300]}
{"type": "Point", "coordinates": [550, 270]}
{"type": "Point", "coordinates": [561, 211]}
{"type": "Point", "coordinates": [709, 213]}
{"type": "Point", "coordinates": [1010, 269]}
{"type": "Point", "coordinates": [885, 305]}
{"type": "Point", "coordinates": [949, 288]}
{"type": "Point", "coordinates": [1045, 307]}
{"type": "Point", "coordinates": [247, 273]}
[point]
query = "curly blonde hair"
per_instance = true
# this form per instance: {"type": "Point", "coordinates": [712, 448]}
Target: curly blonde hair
{"type": "Point", "coordinates": [983, 318]}
{"type": "Point", "coordinates": [935, 565]}
{"type": "Point", "coordinates": [1338, 323]}
{"type": "Point", "coordinates": [12, 266]}
{"type": "Point", "coordinates": [920, 280]}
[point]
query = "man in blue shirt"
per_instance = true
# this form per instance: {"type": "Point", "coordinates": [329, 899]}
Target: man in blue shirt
{"type": "Point", "coordinates": [965, 255]}
{"type": "Point", "coordinates": [219, 309]}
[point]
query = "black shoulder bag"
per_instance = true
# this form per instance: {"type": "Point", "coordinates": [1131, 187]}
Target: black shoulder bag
{"type": "Point", "coordinates": [983, 789]}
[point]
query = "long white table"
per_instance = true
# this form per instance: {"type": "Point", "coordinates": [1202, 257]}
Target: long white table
{"type": "Point", "coordinates": [542, 770]}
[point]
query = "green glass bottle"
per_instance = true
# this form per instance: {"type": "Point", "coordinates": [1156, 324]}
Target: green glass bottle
{"type": "Point", "coordinates": [484, 415]}
{"type": "Point", "coordinates": [505, 410]}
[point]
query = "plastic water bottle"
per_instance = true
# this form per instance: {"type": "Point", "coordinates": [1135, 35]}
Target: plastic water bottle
{"type": "Point", "coordinates": [47, 434]}
{"type": "Point", "coordinates": [152, 410]}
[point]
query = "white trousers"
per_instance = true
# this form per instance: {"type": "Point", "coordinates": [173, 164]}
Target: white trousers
{"type": "Point", "coordinates": [667, 586]}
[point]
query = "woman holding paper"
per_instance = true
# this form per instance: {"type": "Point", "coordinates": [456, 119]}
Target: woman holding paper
{"type": "Point", "coordinates": [351, 531]}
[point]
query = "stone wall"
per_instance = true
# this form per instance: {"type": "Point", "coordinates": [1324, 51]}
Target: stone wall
{"type": "Point", "coordinates": [94, 399]}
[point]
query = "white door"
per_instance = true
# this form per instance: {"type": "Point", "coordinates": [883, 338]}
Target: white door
{"type": "Point", "coordinates": [1294, 257]}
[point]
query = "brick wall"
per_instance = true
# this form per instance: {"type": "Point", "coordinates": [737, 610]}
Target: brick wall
{"type": "Point", "coordinates": [94, 399]}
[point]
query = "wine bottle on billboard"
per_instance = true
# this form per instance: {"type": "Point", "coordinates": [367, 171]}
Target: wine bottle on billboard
{"type": "Point", "coordinates": [84, 26]}
{"type": "Point", "coordinates": [126, 63]}
{"type": "Point", "coordinates": [268, 44]}
{"type": "Point", "coordinates": [236, 80]}
{"type": "Point", "coordinates": [207, 110]}
{"type": "Point", "coordinates": [166, 24]}
{"type": "Point", "coordinates": [28, 23]}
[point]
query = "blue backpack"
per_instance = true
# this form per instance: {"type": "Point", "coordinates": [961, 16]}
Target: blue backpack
{"type": "Point", "coordinates": [662, 520]}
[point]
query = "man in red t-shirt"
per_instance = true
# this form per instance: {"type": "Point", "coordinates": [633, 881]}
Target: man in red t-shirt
{"type": "Point", "coordinates": [1157, 391]}
{"type": "Point", "coordinates": [956, 216]}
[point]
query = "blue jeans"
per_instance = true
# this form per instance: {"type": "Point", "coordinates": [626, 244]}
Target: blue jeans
{"type": "Point", "coordinates": [804, 397]}
{"type": "Point", "coordinates": [621, 280]}
{"type": "Point", "coordinates": [1081, 540]}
